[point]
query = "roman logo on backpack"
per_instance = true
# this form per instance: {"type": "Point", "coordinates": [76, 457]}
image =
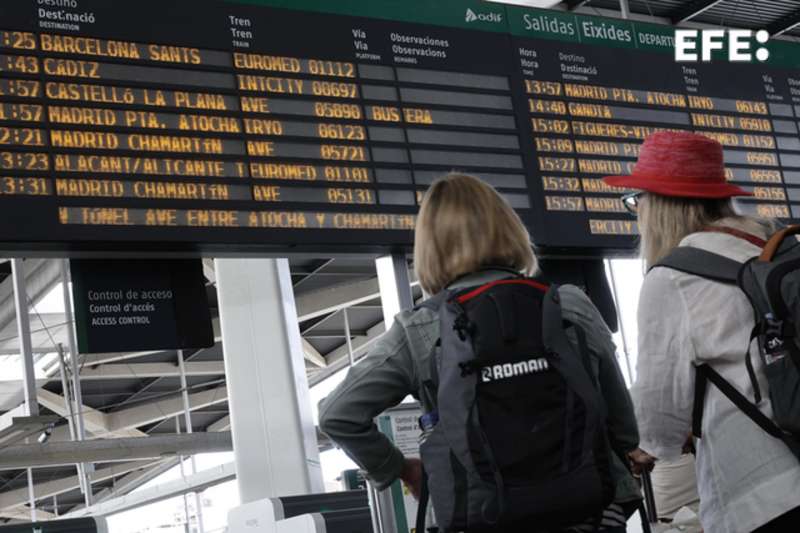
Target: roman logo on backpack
{"type": "Point", "coordinates": [519, 430]}
{"type": "Point", "coordinates": [771, 282]}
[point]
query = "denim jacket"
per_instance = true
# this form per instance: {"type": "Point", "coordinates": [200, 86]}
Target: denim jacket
{"type": "Point", "coordinates": [399, 364]}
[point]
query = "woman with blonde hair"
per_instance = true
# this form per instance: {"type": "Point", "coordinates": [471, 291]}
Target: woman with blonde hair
{"type": "Point", "coordinates": [467, 235]}
{"type": "Point", "coordinates": [747, 479]}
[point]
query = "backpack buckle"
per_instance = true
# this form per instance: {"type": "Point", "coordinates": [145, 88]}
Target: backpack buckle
{"type": "Point", "coordinates": [776, 332]}
{"type": "Point", "coordinates": [774, 327]}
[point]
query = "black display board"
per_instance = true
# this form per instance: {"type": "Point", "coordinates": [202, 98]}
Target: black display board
{"type": "Point", "coordinates": [268, 125]}
{"type": "Point", "coordinates": [132, 305]}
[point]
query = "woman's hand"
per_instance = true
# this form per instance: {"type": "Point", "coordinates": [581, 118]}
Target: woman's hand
{"type": "Point", "coordinates": [411, 474]}
{"type": "Point", "coordinates": [641, 461]}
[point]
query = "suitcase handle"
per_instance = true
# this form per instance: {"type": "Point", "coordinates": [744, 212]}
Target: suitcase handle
{"type": "Point", "coordinates": [649, 498]}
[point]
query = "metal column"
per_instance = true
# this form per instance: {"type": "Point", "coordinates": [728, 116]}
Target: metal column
{"type": "Point", "coordinates": [73, 433]}
{"type": "Point", "coordinates": [72, 343]}
{"type": "Point", "coordinates": [350, 355]}
{"type": "Point", "coordinates": [274, 438]}
{"type": "Point", "coordinates": [26, 353]}
{"type": "Point", "coordinates": [181, 458]}
{"type": "Point", "coordinates": [24, 333]}
{"type": "Point", "coordinates": [187, 413]}
{"type": "Point", "coordinates": [394, 285]}
{"type": "Point", "coordinates": [625, 9]}
{"type": "Point", "coordinates": [395, 288]}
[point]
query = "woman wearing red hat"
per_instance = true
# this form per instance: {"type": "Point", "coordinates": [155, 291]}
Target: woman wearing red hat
{"type": "Point", "coordinates": [747, 480]}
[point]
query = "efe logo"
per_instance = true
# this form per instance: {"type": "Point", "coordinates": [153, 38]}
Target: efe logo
{"type": "Point", "coordinates": [483, 17]}
{"type": "Point", "coordinates": [738, 45]}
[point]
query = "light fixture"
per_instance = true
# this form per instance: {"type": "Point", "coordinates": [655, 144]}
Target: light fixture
{"type": "Point", "coordinates": [25, 427]}
{"type": "Point", "coordinates": [45, 436]}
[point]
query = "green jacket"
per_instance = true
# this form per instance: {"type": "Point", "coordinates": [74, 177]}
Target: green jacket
{"type": "Point", "coordinates": [399, 362]}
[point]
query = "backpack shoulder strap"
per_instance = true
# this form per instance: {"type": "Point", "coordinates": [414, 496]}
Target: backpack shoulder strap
{"type": "Point", "coordinates": [704, 374]}
{"type": "Point", "coordinates": [573, 366]}
{"type": "Point", "coordinates": [702, 263]}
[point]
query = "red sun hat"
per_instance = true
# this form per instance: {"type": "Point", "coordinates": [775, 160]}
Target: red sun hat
{"type": "Point", "coordinates": [680, 164]}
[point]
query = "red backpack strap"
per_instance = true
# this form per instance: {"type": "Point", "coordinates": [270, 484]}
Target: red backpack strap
{"type": "Point", "coordinates": [749, 237]}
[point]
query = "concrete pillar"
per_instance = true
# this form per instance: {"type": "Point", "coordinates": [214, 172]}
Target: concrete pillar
{"type": "Point", "coordinates": [274, 438]}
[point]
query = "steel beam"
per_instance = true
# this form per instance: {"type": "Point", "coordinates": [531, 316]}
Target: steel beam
{"type": "Point", "coordinates": [340, 357]}
{"type": "Point", "coordinates": [692, 9]}
{"type": "Point", "coordinates": [95, 421]}
{"type": "Point", "coordinates": [152, 370]}
{"type": "Point", "coordinates": [77, 395]}
{"type": "Point", "coordinates": [26, 353]}
{"type": "Point", "coordinates": [24, 336]}
{"type": "Point", "coordinates": [134, 417]}
{"type": "Point", "coordinates": [312, 355]}
{"type": "Point", "coordinates": [332, 333]}
{"type": "Point", "coordinates": [113, 450]}
{"type": "Point", "coordinates": [321, 302]}
{"type": "Point", "coordinates": [196, 483]}
{"type": "Point", "coordinates": [134, 480]}
{"type": "Point", "coordinates": [187, 415]}
{"type": "Point", "coordinates": [19, 497]}
{"type": "Point", "coordinates": [25, 427]}
{"type": "Point", "coordinates": [784, 24]}
{"type": "Point", "coordinates": [625, 9]}
{"type": "Point", "coordinates": [41, 275]}
{"type": "Point", "coordinates": [223, 424]}
{"type": "Point", "coordinates": [24, 515]}
{"type": "Point", "coordinates": [575, 4]}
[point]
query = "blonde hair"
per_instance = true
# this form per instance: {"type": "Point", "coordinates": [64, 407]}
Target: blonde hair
{"type": "Point", "coordinates": [463, 225]}
{"type": "Point", "coordinates": [665, 220]}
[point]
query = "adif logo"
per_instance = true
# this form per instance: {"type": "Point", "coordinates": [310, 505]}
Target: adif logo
{"type": "Point", "coordinates": [483, 17]}
{"type": "Point", "coordinates": [512, 370]}
{"type": "Point", "coordinates": [739, 45]}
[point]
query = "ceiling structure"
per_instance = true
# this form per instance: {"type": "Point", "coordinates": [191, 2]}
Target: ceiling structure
{"type": "Point", "coordinates": [779, 17]}
{"type": "Point", "coordinates": [139, 394]}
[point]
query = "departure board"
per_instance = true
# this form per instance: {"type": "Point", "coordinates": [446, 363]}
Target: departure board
{"type": "Point", "coordinates": [268, 125]}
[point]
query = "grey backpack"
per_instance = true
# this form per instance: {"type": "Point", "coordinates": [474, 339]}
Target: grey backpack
{"type": "Point", "coordinates": [771, 282]}
{"type": "Point", "coordinates": [519, 432]}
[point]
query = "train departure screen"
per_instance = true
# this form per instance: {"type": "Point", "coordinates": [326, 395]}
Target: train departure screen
{"type": "Point", "coordinates": [245, 126]}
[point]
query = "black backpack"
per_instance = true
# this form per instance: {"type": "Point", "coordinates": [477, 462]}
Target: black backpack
{"type": "Point", "coordinates": [519, 432]}
{"type": "Point", "coordinates": [771, 282]}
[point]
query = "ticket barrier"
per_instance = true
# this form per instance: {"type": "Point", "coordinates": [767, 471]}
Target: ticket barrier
{"type": "Point", "coordinates": [338, 512]}
{"type": "Point", "coordinates": [76, 525]}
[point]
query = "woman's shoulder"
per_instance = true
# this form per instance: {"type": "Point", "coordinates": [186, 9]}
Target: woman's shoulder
{"type": "Point", "coordinates": [573, 297]}
{"type": "Point", "coordinates": [576, 303]}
